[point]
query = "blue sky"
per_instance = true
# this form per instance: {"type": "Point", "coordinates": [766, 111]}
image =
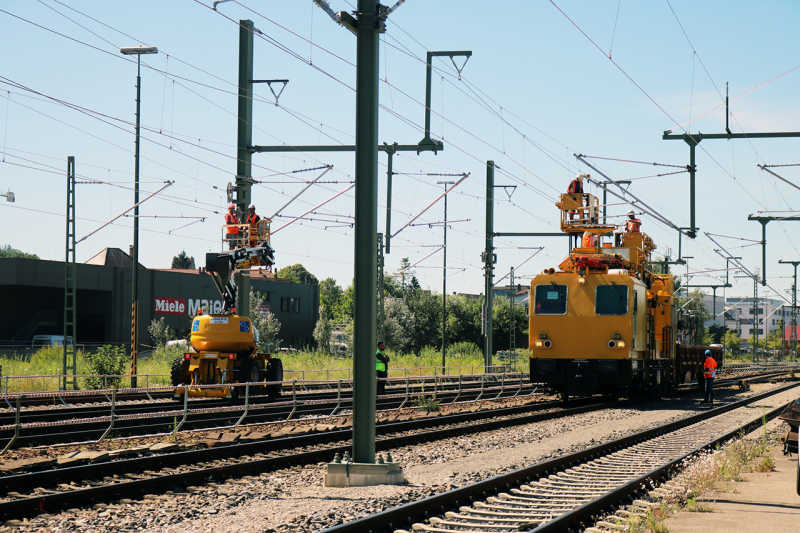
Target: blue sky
{"type": "Point", "coordinates": [535, 91]}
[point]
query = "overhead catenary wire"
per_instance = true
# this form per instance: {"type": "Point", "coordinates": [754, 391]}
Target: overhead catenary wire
{"type": "Point", "coordinates": [442, 195]}
{"type": "Point", "coordinates": [765, 168]}
{"type": "Point", "coordinates": [438, 249]}
{"type": "Point", "coordinates": [123, 213]}
{"type": "Point", "coordinates": [292, 221]}
{"type": "Point", "coordinates": [638, 201]}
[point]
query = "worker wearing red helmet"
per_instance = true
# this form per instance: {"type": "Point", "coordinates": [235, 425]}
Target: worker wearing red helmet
{"type": "Point", "coordinates": [253, 219]}
{"type": "Point", "coordinates": [231, 226]}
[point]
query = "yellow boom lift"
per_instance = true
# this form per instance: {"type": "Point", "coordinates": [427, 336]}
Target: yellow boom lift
{"type": "Point", "coordinates": [223, 348]}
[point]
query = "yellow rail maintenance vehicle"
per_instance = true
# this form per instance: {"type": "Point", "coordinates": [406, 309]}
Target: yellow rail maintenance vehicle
{"type": "Point", "coordinates": [603, 322]}
{"type": "Point", "coordinates": [223, 348]}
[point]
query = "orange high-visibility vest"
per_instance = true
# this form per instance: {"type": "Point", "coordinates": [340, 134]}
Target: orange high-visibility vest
{"type": "Point", "coordinates": [633, 225]}
{"type": "Point", "coordinates": [709, 367]}
{"type": "Point", "coordinates": [230, 220]}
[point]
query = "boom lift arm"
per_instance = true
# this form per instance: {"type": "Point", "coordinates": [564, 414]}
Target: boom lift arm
{"type": "Point", "coordinates": [222, 267]}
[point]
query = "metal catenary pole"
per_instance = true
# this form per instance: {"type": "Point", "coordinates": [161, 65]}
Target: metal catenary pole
{"type": "Point", "coordinates": [366, 221]}
{"type": "Point", "coordinates": [380, 288]}
{"type": "Point", "coordinates": [512, 333]}
{"type": "Point", "coordinates": [488, 266]}
{"type": "Point", "coordinates": [793, 337]}
{"type": "Point", "coordinates": [137, 51]}
{"type": "Point", "coordinates": [135, 258]}
{"type": "Point", "coordinates": [444, 277]}
{"type": "Point", "coordinates": [70, 301]}
{"type": "Point", "coordinates": [244, 137]}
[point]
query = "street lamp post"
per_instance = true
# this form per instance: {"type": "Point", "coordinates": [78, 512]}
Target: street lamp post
{"type": "Point", "coordinates": [137, 51]}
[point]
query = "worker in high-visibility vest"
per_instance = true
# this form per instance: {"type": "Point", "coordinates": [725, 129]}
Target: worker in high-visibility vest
{"type": "Point", "coordinates": [231, 227]}
{"type": "Point", "coordinates": [589, 240]}
{"type": "Point", "coordinates": [381, 367]}
{"type": "Point", "coordinates": [709, 373]}
{"type": "Point", "coordinates": [633, 224]}
{"type": "Point", "coordinates": [253, 219]}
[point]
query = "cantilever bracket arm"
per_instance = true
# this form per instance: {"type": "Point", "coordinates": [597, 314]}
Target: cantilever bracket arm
{"type": "Point", "coordinates": [427, 143]}
{"type": "Point", "coordinates": [764, 221]}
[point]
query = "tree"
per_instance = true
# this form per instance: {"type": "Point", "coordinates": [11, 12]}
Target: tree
{"type": "Point", "coordinates": [464, 319]}
{"type": "Point", "coordinates": [331, 297]}
{"type": "Point", "coordinates": [9, 252]}
{"type": "Point", "coordinates": [405, 270]}
{"type": "Point", "coordinates": [160, 331]}
{"type": "Point", "coordinates": [265, 324]}
{"type": "Point", "coordinates": [392, 286]}
{"type": "Point", "coordinates": [183, 261]}
{"type": "Point", "coordinates": [298, 274]}
{"type": "Point", "coordinates": [732, 341]}
{"type": "Point", "coordinates": [717, 333]}
{"type": "Point", "coordinates": [502, 318]}
{"type": "Point", "coordinates": [398, 325]}
{"type": "Point", "coordinates": [426, 318]}
{"type": "Point", "coordinates": [322, 332]}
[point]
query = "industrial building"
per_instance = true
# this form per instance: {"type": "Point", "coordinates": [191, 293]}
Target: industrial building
{"type": "Point", "coordinates": [33, 293]}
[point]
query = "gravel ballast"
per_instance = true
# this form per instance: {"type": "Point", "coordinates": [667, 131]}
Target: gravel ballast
{"type": "Point", "coordinates": [295, 500]}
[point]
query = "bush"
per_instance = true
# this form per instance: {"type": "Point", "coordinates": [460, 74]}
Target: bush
{"type": "Point", "coordinates": [322, 333]}
{"type": "Point", "coordinates": [160, 331]}
{"type": "Point", "coordinates": [106, 360]}
{"type": "Point", "coordinates": [265, 323]}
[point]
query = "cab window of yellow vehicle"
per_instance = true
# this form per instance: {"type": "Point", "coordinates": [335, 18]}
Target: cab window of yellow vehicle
{"type": "Point", "coordinates": [551, 299]}
{"type": "Point", "coordinates": [611, 300]}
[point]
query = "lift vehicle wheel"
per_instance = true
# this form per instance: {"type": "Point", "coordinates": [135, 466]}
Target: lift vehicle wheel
{"type": "Point", "coordinates": [178, 371]}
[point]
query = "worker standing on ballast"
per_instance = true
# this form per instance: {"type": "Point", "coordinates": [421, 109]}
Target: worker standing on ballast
{"type": "Point", "coordinates": [633, 224]}
{"type": "Point", "coordinates": [232, 228]}
{"type": "Point", "coordinates": [381, 367]}
{"type": "Point", "coordinates": [709, 373]}
{"type": "Point", "coordinates": [253, 219]}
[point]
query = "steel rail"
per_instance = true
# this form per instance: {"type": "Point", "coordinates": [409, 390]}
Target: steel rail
{"type": "Point", "coordinates": [216, 415]}
{"type": "Point", "coordinates": [405, 515]}
{"type": "Point", "coordinates": [327, 444]}
{"type": "Point", "coordinates": [144, 419]}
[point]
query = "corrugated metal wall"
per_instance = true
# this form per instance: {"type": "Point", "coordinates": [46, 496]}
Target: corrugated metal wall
{"type": "Point", "coordinates": [32, 296]}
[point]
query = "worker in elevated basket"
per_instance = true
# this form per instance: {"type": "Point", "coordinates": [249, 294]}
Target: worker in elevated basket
{"type": "Point", "coordinates": [576, 189]}
{"type": "Point", "coordinates": [231, 228]}
{"type": "Point", "coordinates": [589, 240]}
{"type": "Point", "coordinates": [633, 224]}
{"type": "Point", "coordinates": [709, 373]}
{"type": "Point", "coordinates": [253, 219]}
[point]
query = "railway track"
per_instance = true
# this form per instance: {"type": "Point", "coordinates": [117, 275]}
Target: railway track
{"type": "Point", "coordinates": [31, 493]}
{"type": "Point", "coordinates": [88, 423]}
{"type": "Point", "coordinates": [65, 425]}
{"type": "Point", "coordinates": [569, 492]}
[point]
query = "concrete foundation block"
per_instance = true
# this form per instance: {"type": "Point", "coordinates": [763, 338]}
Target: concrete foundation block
{"type": "Point", "coordinates": [363, 474]}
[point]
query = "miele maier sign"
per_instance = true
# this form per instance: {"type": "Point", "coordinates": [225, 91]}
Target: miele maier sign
{"type": "Point", "coordinates": [165, 305]}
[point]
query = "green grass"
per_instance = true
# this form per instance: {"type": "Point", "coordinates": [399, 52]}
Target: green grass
{"type": "Point", "coordinates": [462, 358]}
